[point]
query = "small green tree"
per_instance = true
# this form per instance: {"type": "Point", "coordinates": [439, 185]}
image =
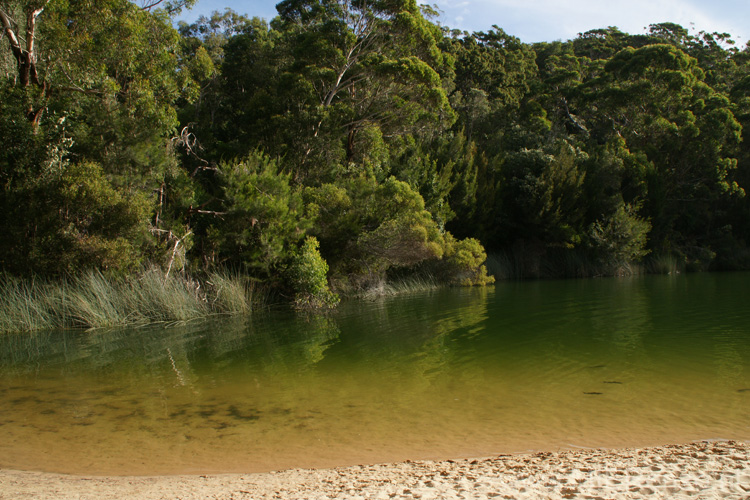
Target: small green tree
{"type": "Point", "coordinates": [308, 274]}
{"type": "Point", "coordinates": [621, 237]}
{"type": "Point", "coordinates": [263, 215]}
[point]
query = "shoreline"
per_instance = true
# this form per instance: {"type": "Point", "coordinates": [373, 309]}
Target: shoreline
{"type": "Point", "coordinates": [704, 469]}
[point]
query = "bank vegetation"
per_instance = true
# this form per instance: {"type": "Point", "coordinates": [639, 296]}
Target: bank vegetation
{"type": "Point", "coordinates": [346, 148]}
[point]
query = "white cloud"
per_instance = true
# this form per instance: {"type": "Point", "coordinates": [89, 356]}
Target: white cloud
{"type": "Point", "coordinates": [536, 20]}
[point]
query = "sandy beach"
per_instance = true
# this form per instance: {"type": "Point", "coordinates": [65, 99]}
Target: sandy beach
{"type": "Point", "coordinates": [705, 470]}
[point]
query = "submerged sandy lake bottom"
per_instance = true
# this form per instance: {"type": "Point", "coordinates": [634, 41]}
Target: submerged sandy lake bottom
{"type": "Point", "coordinates": [453, 373]}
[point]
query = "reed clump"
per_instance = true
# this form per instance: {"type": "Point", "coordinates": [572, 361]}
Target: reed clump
{"type": "Point", "coordinates": [555, 263]}
{"type": "Point", "coordinates": [412, 284]}
{"type": "Point", "coordinates": [665, 264]}
{"type": "Point", "coordinates": [233, 293]}
{"type": "Point", "coordinates": [29, 305]}
{"type": "Point", "coordinates": [399, 285]}
{"type": "Point", "coordinates": [93, 300]}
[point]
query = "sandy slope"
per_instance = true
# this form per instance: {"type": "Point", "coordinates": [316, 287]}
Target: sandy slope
{"type": "Point", "coordinates": [704, 470]}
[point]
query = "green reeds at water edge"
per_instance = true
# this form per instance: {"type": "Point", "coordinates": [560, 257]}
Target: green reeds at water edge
{"type": "Point", "coordinates": [92, 300]}
{"type": "Point", "coordinates": [398, 284]}
{"type": "Point", "coordinates": [555, 263]}
{"type": "Point", "coordinates": [664, 264]}
{"type": "Point", "coordinates": [411, 284]}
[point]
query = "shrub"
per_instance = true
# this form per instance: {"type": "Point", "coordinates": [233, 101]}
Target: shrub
{"type": "Point", "coordinates": [620, 237]}
{"type": "Point", "coordinates": [463, 262]}
{"type": "Point", "coordinates": [308, 276]}
{"type": "Point", "coordinates": [388, 227]}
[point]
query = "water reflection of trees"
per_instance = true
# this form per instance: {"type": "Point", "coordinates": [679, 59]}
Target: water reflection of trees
{"type": "Point", "coordinates": [408, 334]}
{"type": "Point", "coordinates": [406, 344]}
{"type": "Point", "coordinates": [205, 345]}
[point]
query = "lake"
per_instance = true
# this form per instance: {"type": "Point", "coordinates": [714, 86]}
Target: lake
{"type": "Point", "coordinates": [521, 366]}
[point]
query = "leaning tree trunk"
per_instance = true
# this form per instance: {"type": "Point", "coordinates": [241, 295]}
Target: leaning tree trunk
{"type": "Point", "coordinates": [25, 56]}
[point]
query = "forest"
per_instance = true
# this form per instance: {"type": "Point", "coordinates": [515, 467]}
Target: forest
{"type": "Point", "coordinates": [347, 144]}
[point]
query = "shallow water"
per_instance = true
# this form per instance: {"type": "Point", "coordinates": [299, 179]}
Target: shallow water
{"type": "Point", "coordinates": [461, 372]}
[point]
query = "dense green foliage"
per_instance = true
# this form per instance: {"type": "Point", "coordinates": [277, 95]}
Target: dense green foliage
{"type": "Point", "coordinates": [347, 143]}
{"type": "Point", "coordinates": [309, 277]}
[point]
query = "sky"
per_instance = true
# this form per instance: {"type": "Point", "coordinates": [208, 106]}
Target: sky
{"type": "Point", "coordinates": [549, 20]}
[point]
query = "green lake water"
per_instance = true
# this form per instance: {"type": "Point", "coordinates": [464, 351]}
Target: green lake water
{"type": "Point", "coordinates": [520, 366]}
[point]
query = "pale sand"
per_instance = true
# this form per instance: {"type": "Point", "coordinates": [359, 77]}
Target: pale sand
{"type": "Point", "coordinates": [705, 470]}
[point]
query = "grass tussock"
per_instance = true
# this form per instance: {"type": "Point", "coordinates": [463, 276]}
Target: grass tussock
{"type": "Point", "coordinates": [92, 300]}
{"type": "Point", "coordinates": [232, 293]}
{"type": "Point", "coordinates": [29, 305]}
{"type": "Point", "coordinates": [415, 283]}
{"type": "Point", "coordinates": [412, 284]}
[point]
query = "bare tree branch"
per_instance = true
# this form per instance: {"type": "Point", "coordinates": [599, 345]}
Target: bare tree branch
{"type": "Point", "coordinates": [174, 253]}
{"type": "Point", "coordinates": [188, 140]}
{"type": "Point", "coordinates": [25, 57]}
{"type": "Point", "coordinates": [10, 34]}
{"type": "Point", "coordinates": [170, 7]}
{"type": "Point", "coordinates": [150, 5]}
